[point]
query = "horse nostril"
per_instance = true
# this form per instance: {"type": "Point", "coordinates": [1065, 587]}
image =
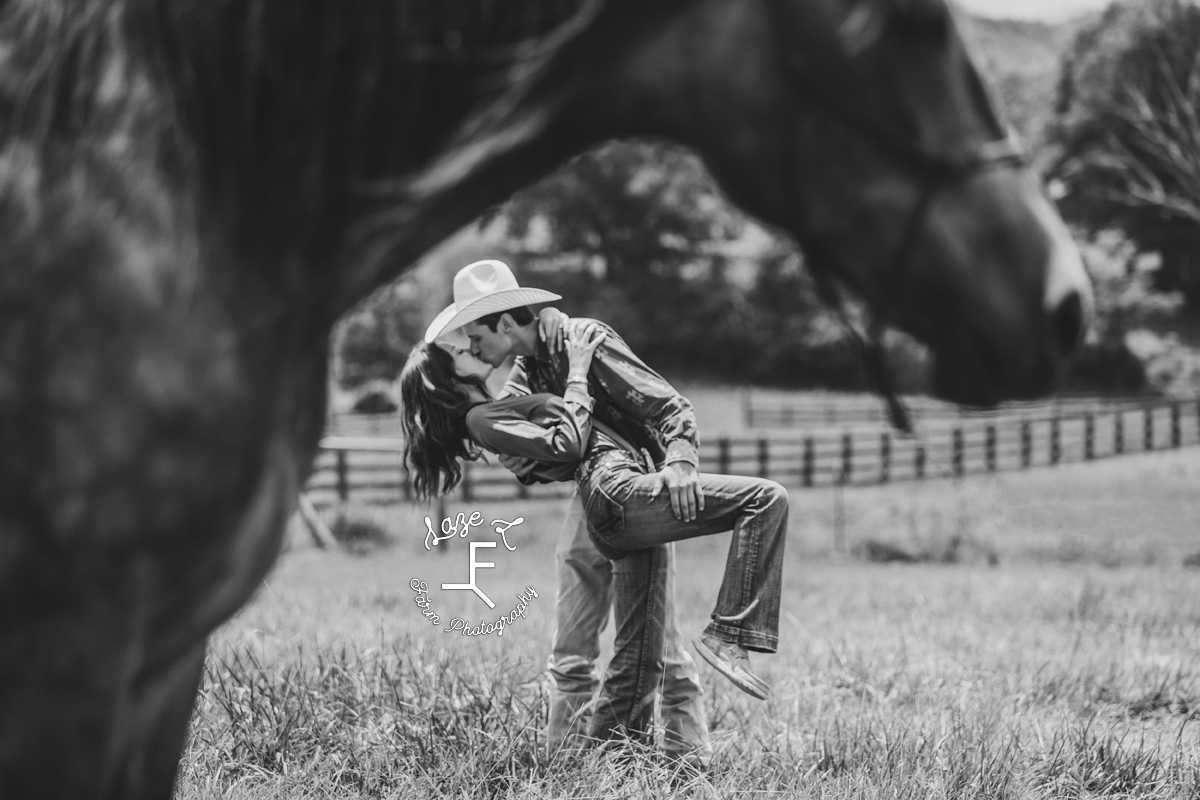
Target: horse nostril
{"type": "Point", "coordinates": [1067, 322]}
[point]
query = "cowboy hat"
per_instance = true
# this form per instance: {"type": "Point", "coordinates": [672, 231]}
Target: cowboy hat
{"type": "Point", "coordinates": [482, 288]}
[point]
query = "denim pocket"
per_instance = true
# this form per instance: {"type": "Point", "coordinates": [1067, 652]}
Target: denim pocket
{"type": "Point", "coordinates": [605, 516]}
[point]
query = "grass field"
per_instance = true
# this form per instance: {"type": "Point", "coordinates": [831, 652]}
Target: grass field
{"type": "Point", "coordinates": [1046, 647]}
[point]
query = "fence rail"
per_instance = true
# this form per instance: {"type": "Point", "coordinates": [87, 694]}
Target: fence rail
{"type": "Point", "coordinates": [815, 412]}
{"type": "Point", "coordinates": [371, 470]}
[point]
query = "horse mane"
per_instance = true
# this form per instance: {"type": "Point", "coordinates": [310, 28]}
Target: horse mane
{"type": "Point", "coordinates": [293, 104]}
{"type": "Point", "coordinates": [276, 111]}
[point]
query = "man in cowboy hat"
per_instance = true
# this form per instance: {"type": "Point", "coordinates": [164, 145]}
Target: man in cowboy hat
{"type": "Point", "coordinates": [643, 408]}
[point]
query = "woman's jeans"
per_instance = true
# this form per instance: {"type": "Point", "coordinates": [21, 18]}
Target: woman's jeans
{"type": "Point", "coordinates": [628, 520]}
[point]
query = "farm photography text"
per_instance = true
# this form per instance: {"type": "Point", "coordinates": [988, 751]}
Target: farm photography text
{"type": "Point", "coordinates": [461, 525]}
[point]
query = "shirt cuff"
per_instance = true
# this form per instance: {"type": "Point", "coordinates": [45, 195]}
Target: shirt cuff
{"type": "Point", "coordinates": [681, 450]}
{"type": "Point", "coordinates": [578, 393]}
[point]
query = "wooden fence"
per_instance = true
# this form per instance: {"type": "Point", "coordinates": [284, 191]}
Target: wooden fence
{"type": "Point", "coordinates": [762, 410]}
{"type": "Point", "coordinates": [370, 469]}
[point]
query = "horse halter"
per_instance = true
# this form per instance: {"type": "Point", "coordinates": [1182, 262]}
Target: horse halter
{"type": "Point", "coordinates": [936, 172]}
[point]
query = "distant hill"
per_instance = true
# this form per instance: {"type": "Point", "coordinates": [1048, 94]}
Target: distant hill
{"type": "Point", "coordinates": [1022, 60]}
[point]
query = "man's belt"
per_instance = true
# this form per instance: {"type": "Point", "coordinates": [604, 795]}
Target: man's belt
{"type": "Point", "coordinates": [609, 458]}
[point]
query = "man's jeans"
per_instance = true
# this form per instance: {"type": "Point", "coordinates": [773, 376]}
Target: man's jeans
{"type": "Point", "coordinates": [585, 581]}
{"type": "Point", "coordinates": [629, 513]}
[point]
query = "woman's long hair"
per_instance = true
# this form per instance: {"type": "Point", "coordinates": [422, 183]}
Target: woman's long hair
{"type": "Point", "coordinates": [433, 412]}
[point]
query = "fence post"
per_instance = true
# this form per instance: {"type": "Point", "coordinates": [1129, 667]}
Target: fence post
{"type": "Point", "coordinates": [1089, 436]}
{"type": "Point", "coordinates": [919, 462]}
{"type": "Point", "coordinates": [958, 452]}
{"type": "Point", "coordinates": [1119, 432]}
{"type": "Point", "coordinates": [1176, 427]}
{"type": "Point", "coordinates": [806, 467]}
{"type": "Point", "coordinates": [320, 532]}
{"type": "Point", "coordinates": [839, 518]}
{"type": "Point", "coordinates": [885, 457]}
{"type": "Point", "coordinates": [343, 477]}
{"type": "Point", "coordinates": [764, 458]}
{"type": "Point", "coordinates": [1148, 428]}
{"type": "Point", "coordinates": [990, 448]}
{"type": "Point", "coordinates": [787, 416]}
{"type": "Point", "coordinates": [723, 455]}
{"type": "Point", "coordinates": [1026, 444]}
{"type": "Point", "coordinates": [1198, 413]}
{"type": "Point", "coordinates": [1055, 441]}
{"type": "Point", "coordinates": [847, 457]}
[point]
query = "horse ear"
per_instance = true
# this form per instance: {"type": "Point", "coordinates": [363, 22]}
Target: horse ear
{"type": "Point", "coordinates": [863, 26]}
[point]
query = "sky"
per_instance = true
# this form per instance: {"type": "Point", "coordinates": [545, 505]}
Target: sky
{"type": "Point", "coordinates": [1044, 10]}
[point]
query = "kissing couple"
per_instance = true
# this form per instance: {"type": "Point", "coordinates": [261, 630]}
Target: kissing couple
{"type": "Point", "coordinates": [580, 406]}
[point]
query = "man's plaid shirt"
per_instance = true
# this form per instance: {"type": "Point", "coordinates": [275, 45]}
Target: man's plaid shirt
{"type": "Point", "coordinates": [631, 398]}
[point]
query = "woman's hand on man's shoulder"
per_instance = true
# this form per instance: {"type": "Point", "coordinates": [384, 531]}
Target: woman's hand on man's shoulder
{"type": "Point", "coordinates": [552, 328]}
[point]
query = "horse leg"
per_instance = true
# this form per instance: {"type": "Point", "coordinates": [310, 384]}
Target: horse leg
{"type": "Point", "coordinates": [150, 768]}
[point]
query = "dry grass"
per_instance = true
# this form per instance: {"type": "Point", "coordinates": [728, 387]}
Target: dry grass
{"type": "Point", "coordinates": [1068, 669]}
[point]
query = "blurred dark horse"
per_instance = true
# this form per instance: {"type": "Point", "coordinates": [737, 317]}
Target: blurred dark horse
{"type": "Point", "coordinates": [192, 192]}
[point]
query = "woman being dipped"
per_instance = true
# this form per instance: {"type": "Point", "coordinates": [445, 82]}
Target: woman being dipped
{"type": "Point", "coordinates": [448, 415]}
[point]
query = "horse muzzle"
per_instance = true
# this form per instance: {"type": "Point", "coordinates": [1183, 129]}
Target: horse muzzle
{"type": "Point", "coordinates": [1000, 352]}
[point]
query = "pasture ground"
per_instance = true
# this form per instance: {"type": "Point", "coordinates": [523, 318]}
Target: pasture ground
{"type": "Point", "coordinates": [1055, 657]}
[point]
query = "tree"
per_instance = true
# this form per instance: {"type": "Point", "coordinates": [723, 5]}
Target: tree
{"type": "Point", "coordinates": [372, 343]}
{"type": "Point", "coordinates": [637, 234]}
{"type": "Point", "coordinates": [633, 233]}
{"type": "Point", "coordinates": [631, 205]}
{"type": "Point", "coordinates": [1129, 133]}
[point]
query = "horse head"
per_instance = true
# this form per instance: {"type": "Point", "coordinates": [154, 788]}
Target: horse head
{"type": "Point", "coordinates": [863, 129]}
{"type": "Point", "coordinates": [860, 127]}
{"type": "Point", "coordinates": [192, 191]}
{"type": "Point", "coordinates": [915, 195]}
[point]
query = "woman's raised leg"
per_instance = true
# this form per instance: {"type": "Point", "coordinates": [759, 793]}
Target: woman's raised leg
{"type": "Point", "coordinates": [628, 512]}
